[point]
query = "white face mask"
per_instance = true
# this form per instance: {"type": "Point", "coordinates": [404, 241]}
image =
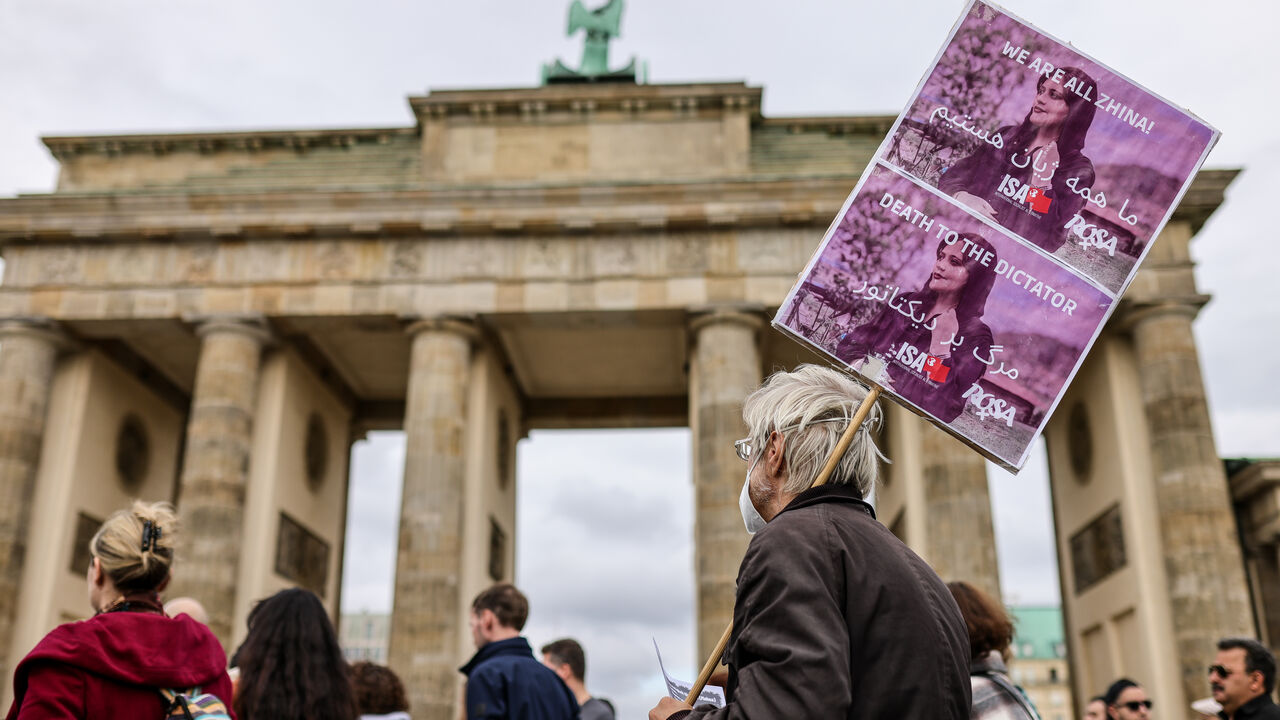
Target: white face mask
{"type": "Point", "coordinates": [750, 516]}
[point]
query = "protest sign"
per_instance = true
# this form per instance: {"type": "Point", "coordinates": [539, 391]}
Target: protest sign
{"type": "Point", "coordinates": [987, 243]}
{"type": "Point", "coordinates": [1057, 148]}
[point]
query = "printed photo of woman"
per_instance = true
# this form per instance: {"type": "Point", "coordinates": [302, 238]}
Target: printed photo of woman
{"type": "Point", "coordinates": [1041, 157]}
{"type": "Point", "coordinates": [952, 336]}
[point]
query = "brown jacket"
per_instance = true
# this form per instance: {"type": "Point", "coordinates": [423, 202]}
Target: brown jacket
{"type": "Point", "coordinates": [836, 618]}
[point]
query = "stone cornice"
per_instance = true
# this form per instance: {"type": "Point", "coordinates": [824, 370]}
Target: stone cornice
{"type": "Point", "coordinates": [834, 124]}
{"type": "Point", "coordinates": [529, 209]}
{"type": "Point", "coordinates": [535, 104]}
{"type": "Point", "coordinates": [764, 201]}
{"type": "Point", "coordinates": [66, 146]}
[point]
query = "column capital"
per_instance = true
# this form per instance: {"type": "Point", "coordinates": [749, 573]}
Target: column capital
{"type": "Point", "coordinates": [252, 326]}
{"type": "Point", "coordinates": [1133, 313]}
{"type": "Point", "coordinates": [456, 324]}
{"type": "Point", "coordinates": [752, 316]}
{"type": "Point", "coordinates": [37, 328]}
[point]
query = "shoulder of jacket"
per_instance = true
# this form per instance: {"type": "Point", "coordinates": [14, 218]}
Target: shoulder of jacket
{"type": "Point", "coordinates": [798, 530]}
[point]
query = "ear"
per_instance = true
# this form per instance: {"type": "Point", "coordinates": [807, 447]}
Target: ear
{"type": "Point", "coordinates": [775, 459]}
{"type": "Point", "coordinates": [96, 576]}
{"type": "Point", "coordinates": [163, 584]}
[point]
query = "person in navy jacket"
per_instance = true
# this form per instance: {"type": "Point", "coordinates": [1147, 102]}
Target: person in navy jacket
{"type": "Point", "coordinates": [504, 680]}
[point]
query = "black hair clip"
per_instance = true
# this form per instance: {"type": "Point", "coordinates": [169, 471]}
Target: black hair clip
{"type": "Point", "coordinates": [150, 536]}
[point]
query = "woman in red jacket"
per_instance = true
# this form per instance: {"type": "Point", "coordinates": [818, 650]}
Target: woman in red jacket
{"type": "Point", "coordinates": [115, 664]}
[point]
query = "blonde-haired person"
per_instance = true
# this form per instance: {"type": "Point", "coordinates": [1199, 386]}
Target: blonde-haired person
{"type": "Point", "coordinates": [114, 664]}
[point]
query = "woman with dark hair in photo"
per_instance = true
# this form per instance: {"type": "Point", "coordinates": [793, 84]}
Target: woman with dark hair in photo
{"type": "Point", "coordinates": [1044, 153]}
{"type": "Point", "coordinates": [932, 339]}
{"type": "Point", "coordinates": [117, 663]}
{"type": "Point", "coordinates": [291, 666]}
{"type": "Point", "coordinates": [995, 697]}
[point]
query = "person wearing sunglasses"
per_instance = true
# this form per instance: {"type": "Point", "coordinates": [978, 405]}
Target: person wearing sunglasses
{"type": "Point", "coordinates": [1242, 677]}
{"type": "Point", "coordinates": [1127, 700]}
{"type": "Point", "coordinates": [834, 617]}
{"type": "Point", "coordinates": [1096, 708]}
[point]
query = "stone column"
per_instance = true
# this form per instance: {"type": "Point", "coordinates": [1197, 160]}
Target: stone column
{"type": "Point", "coordinates": [425, 623]}
{"type": "Point", "coordinates": [724, 367]}
{"type": "Point", "coordinates": [960, 541]}
{"type": "Point", "coordinates": [215, 468]}
{"type": "Point", "coordinates": [1207, 587]}
{"type": "Point", "coordinates": [28, 353]}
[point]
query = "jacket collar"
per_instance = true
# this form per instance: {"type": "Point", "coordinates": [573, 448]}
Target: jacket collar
{"type": "Point", "coordinates": [830, 494]}
{"type": "Point", "coordinates": [514, 647]}
{"type": "Point", "coordinates": [1251, 708]}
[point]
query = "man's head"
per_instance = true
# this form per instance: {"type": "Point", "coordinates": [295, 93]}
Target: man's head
{"type": "Point", "coordinates": [1243, 670]}
{"type": "Point", "coordinates": [566, 658]}
{"type": "Point", "coordinates": [1096, 708]}
{"type": "Point", "coordinates": [498, 613]}
{"type": "Point", "coordinates": [795, 421]}
{"type": "Point", "coordinates": [1127, 700]}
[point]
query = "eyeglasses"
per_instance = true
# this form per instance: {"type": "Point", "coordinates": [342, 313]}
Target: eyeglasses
{"type": "Point", "coordinates": [745, 446]}
{"type": "Point", "coordinates": [1220, 671]}
{"type": "Point", "coordinates": [1133, 705]}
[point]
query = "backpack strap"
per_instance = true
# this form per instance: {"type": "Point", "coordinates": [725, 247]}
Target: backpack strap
{"type": "Point", "coordinates": [175, 700]}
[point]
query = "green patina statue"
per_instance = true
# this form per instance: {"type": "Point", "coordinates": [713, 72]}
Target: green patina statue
{"type": "Point", "coordinates": [602, 25]}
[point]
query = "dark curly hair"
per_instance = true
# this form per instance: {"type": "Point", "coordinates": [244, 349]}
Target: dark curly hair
{"type": "Point", "coordinates": [378, 690]}
{"type": "Point", "coordinates": [291, 665]}
{"type": "Point", "coordinates": [989, 625]}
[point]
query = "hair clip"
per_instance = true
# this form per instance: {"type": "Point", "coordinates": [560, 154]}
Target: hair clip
{"type": "Point", "coordinates": [150, 536]}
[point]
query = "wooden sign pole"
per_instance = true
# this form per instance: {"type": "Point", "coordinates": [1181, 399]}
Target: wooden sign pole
{"type": "Point", "coordinates": [845, 441]}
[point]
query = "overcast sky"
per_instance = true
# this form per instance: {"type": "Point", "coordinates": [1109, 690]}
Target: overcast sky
{"type": "Point", "coordinates": [620, 500]}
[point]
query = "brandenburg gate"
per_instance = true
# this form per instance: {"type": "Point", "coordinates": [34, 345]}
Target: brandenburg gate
{"type": "Point", "coordinates": [213, 318]}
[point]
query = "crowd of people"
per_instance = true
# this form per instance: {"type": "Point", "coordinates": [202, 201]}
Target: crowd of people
{"type": "Point", "coordinates": [1241, 679]}
{"type": "Point", "coordinates": [137, 658]}
{"type": "Point", "coordinates": [834, 617]}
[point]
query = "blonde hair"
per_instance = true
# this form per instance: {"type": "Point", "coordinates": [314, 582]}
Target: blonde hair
{"type": "Point", "coordinates": [118, 545]}
{"type": "Point", "coordinates": [811, 407]}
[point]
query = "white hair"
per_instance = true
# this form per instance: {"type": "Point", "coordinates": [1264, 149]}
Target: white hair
{"type": "Point", "coordinates": [811, 407]}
